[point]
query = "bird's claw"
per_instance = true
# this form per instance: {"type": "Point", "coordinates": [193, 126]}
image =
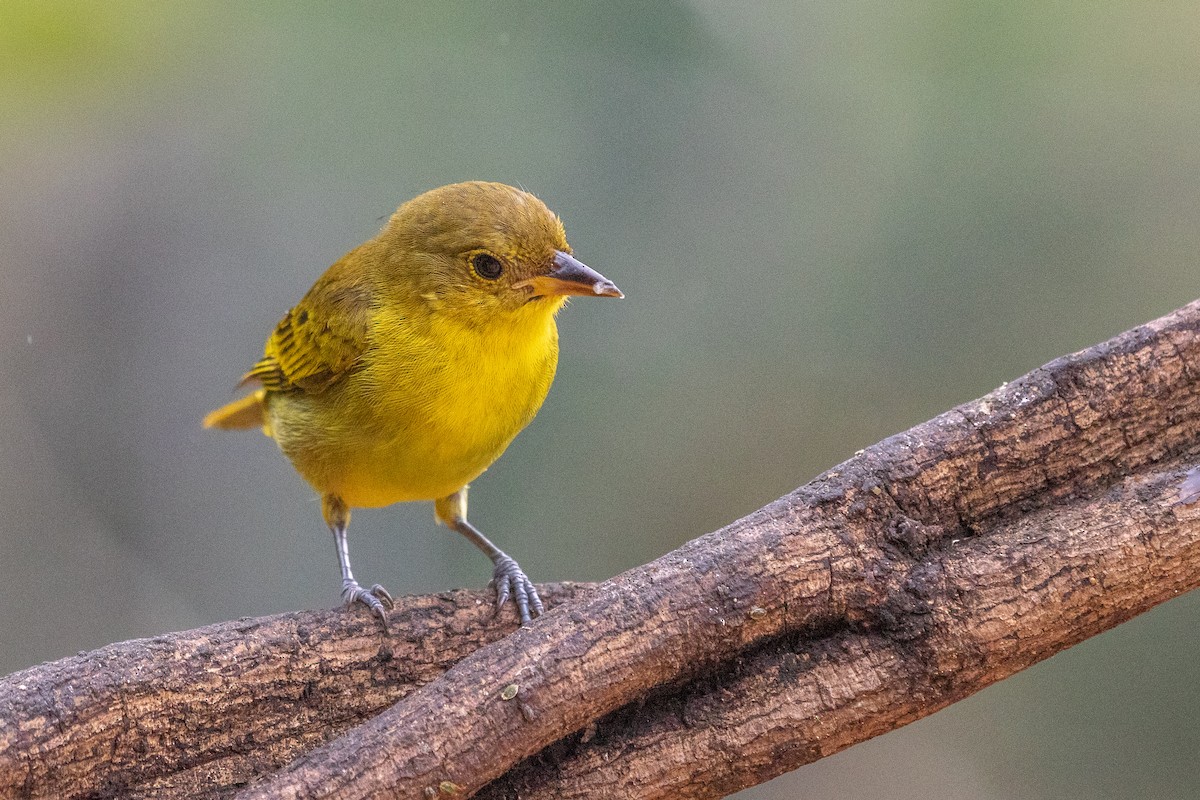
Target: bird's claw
{"type": "Point", "coordinates": [511, 581]}
{"type": "Point", "coordinates": [376, 599]}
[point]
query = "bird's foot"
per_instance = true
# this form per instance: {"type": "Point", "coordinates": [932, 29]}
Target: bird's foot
{"type": "Point", "coordinates": [376, 599]}
{"type": "Point", "coordinates": [511, 581]}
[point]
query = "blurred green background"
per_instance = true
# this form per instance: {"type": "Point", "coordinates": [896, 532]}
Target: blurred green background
{"type": "Point", "coordinates": [832, 220]}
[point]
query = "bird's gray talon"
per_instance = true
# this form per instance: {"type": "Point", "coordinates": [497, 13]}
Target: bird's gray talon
{"type": "Point", "coordinates": [375, 600]}
{"type": "Point", "coordinates": [384, 596]}
{"type": "Point", "coordinates": [511, 582]}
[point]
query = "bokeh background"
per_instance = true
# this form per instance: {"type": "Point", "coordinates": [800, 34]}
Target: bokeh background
{"type": "Point", "coordinates": [832, 219]}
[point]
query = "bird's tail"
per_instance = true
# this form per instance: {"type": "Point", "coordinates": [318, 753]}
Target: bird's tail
{"type": "Point", "coordinates": [246, 412]}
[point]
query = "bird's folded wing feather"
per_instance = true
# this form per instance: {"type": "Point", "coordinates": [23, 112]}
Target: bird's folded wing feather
{"type": "Point", "coordinates": [319, 340]}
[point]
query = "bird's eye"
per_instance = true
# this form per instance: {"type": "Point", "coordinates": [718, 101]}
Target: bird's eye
{"type": "Point", "coordinates": [487, 266]}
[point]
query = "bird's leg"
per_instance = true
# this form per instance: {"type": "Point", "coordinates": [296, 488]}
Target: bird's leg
{"type": "Point", "coordinates": [337, 517]}
{"type": "Point", "coordinates": [507, 577]}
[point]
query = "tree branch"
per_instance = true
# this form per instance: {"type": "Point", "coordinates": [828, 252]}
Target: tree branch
{"type": "Point", "coordinates": [921, 570]}
{"type": "Point", "coordinates": [962, 615]}
{"type": "Point", "coordinates": [205, 711]}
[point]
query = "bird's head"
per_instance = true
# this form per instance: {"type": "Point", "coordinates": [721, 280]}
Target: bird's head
{"type": "Point", "coordinates": [479, 248]}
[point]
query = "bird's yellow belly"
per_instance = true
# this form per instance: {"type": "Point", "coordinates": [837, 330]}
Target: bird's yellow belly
{"type": "Point", "coordinates": [414, 464]}
{"type": "Point", "coordinates": [420, 436]}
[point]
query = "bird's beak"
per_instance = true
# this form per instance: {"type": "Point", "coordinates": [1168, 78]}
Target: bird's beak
{"type": "Point", "coordinates": [569, 276]}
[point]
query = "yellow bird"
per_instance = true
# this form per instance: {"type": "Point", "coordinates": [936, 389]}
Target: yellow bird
{"type": "Point", "coordinates": [414, 361]}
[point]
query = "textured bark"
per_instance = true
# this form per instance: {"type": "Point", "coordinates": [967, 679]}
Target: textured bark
{"type": "Point", "coordinates": [201, 712]}
{"type": "Point", "coordinates": [964, 613]}
{"type": "Point", "coordinates": [921, 570]}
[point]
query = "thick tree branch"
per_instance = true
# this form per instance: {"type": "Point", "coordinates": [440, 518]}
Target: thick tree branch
{"type": "Point", "coordinates": [923, 569]}
{"type": "Point", "coordinates": [963, 614]}
{"type": "Point", "coordinates": [204, 711]}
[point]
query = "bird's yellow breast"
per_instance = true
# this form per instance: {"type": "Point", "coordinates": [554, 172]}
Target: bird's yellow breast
{"type": "Point", "coordinates": [436, 401]}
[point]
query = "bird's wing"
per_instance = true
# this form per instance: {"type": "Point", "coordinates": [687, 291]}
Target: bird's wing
{"type": "Point", "coordinates": [319, 340]}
